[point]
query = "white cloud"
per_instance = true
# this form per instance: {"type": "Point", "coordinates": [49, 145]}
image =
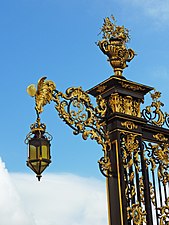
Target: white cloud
{"type": "Point", "coordinates": [56, 200]}
{"type": "Point", "coordinates": [157, 9]}
{"type": "Point", "coordinates": [11, 208]}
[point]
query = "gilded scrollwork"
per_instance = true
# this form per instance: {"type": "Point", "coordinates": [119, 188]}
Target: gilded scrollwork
{"type": "Point", "coordinates": [153, 113]}
{"type": "Point", "coordinates": [152, 193]}
{"type": "Point", "coordinates": [133, 178]}
{"type": "Point", "coordinates": [158, 157]}
{"type": "Point", "coordinates": [129, 125]}
{"type": "Point", "coordinates": [160, 137]}
{"type": "Point", "coordinates": [133, 87]}
{"type": "Point", "coordinates": [141, 185]}
{"type": "Point", "coordinates": [130, 153]}
{"type": "Point", "coordinates": [101, 88]}
{"type": "Point", "coordinates": [76, 110]}
{"type": "Point", "coordinates": [137, 214]}
{"type": "Point", "coordinates": [164, 213]}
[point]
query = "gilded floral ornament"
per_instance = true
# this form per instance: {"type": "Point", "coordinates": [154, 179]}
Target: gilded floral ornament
{"type": "Point", "coordinates": [113, 45]}
{"type": "Point", "coordinates": [158, 157]}
{"type": "Point", "coordinates": [137, 214]}
{"type": "Point", "coordinates": [131, 143]}
{"type": "Point", "coordinates": [129, 125]}
{"type": "Point", "coordinates": [110, 29]}
{"type": "Point", "coordinates": [164, 213]}
{"type": "Point", "coordinates": [130, 150]}
{"type": "Point", "coordinates": [153, 113]}
{"type": "Point", "coordinates": [160, 137]}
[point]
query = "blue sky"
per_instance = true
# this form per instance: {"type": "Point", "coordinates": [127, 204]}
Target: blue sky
{"type": "Point", "coordinates": [57, 39]}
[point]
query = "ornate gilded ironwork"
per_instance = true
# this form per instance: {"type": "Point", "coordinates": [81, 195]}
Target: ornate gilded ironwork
{"type": "Point", "coordinates": [156, 156]}
{"type": "Point", "coordinates": [129, 125]}
{"type": "Point", "coordinates": [164, 213]}
{"type": "Point", "coordinates": [43, 94]}
{"type": "Point", "coordinates": [114, 45]}
{"type": "Point", "coordinates": [101, 88]}
{"type": "Point", "coordinates": [153, 113]}
{"type": "Point", "coordinates": [159, 157]}
{"type": "Point", "coordinates": [152, 194]}
{"type": "Point", "coordinates": [133, 178]}
{"type": "Point", "coordinates": [137, 214]}
{"type": "Point", "coordinates": [125, 104]}
{"type": "Point", "coordinates": [133, 87]}
{"type": "Point", "coordinates": [37, 127]}
{"type": "Point", "coordinates": [77, 111]}
{"type": "Point", "coordinates": [160, 137]}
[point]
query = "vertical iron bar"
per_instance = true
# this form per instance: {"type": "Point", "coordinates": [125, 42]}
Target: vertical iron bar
{"type": "Point", "coordinates": [159, 186]}
{"type": "Point", "coordinates": [148, 206]}
{"type": "Point", "coordinates": [165, 192]}
{"type": "Point", "coordinates": [156, 206]}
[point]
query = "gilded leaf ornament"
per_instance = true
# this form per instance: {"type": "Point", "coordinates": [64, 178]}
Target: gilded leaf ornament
{"type": "Point", "coordinates": [153, 113]}
{"type": "Point", "coordinates": [158, 157]}
{"type": "Point", "coordinates": [164, 213]}
{"type": "Point", "coordinates": [77, 111]}
{"type": "Point", "coordinates": [137, 214]}
{"type": "Point", "coordinates": [129, 125]}
{"type": "Point", "coordinates": [110, 29]}
{"type": "Point", "coordinates": [101, 88]}
{"type": "Point", "coordinates": [133, 87]}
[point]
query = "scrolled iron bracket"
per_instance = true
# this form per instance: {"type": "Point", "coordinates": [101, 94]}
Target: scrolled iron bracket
{"type": "Point", "coordinates": [76, 110]}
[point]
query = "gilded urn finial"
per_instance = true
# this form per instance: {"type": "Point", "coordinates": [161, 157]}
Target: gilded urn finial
{"type": "Point", "coordinates": [113, 45]}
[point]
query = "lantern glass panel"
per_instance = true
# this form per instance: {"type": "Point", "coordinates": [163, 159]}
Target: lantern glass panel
{"type": "Point", "coordinates": [32, 152]}
{"type": "Point", "coordinates": [36, 166]}
{"type": "Point", "coordinates": [45, 151]}
{"type": "Point", "coordinates": [43, 166]}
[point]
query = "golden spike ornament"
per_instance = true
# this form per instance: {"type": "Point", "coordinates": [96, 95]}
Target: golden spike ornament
{"type": "Point", "coordinates": [113, 45]}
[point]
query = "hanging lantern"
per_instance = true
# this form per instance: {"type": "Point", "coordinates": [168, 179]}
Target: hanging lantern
{"type": "Point", "coordinates": [38, 141]}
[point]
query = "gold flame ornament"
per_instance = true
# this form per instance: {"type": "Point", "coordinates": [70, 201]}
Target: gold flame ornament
{"type": "Point", "coordinates": [113, 45]}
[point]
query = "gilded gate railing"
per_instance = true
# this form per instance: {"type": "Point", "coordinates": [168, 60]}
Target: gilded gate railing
{"type": "Point", "coordinates": [145, 162]}
{"type": "Point", "coordinates": [146, 177]}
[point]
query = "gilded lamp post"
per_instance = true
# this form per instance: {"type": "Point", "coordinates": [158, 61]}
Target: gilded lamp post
{"type": "Point", "coordinates": [134, 138]}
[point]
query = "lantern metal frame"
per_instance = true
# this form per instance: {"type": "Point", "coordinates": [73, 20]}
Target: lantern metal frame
{"type": "Point", "coordinates": [38, 141]}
